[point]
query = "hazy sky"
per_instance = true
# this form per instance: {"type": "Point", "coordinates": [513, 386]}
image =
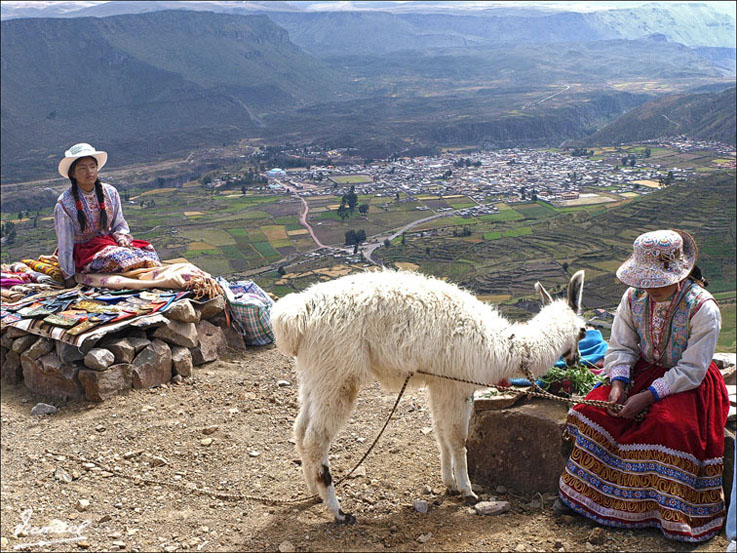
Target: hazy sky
{"type": "Point", "coordinates": [575, 5]}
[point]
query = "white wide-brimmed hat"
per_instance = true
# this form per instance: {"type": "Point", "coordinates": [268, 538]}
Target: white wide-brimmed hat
{"type": "Point", "coordinates": [80, 150]}
{"type": "Point", "coordinates": [660, 258]}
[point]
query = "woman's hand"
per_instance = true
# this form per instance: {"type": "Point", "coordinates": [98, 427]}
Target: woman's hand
{"type": "Point", "coordinates": [617, 395]}
{"type": "Point", "coordinates": [637, 403]}
{"type": "Point", "coordinates": [70, 282]}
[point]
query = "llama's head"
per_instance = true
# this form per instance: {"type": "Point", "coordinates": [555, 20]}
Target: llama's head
{"type": "Point", "coordinates": [574, 325]}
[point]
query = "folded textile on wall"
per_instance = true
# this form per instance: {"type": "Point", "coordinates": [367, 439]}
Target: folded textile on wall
{"type": "Point", "coordinates": [177, 276]}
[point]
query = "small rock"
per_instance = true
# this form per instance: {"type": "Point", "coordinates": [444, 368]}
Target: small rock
{"type": "Point", "coordinates": [104, 518]}
{"type": "Point", "coordinates": [597, 536]}
{"type": "Point", "coordinates": [567, 519]}
{"type": "Point", "coordinates": [254, 453]}
{"type": "Point", "coordinates": [62, 476]}
{"type": "Point", "coordinates": [100, 428]}
{"type": "Point", "coordinates": [283, 383]}
{"type": "Point", "coordinates": [422, 538]}
{"type": "Point", "coordinates": [358, 473]}
{"type": "Point", "coordinates": [82, 505]}
{"type": "Point", "coordinates": [131, 454]}
{"type": "Point", "coordinates": [177, 378]}
{"type": "Point", "coordinates": [41, 409]}
{"type": "Point", "coordinates": [83, 544]}
{"type": "Point", "coordinates": [210, 429]}
{"type": "Point", "coordinates": [501, 490]}
{"type": "Point", "coordinates": [99, 359]}
{"type": "Point", "coordinates": [534, 504]}
{"type": "Point", "coordinates": [427, 490]}
{"type": "Point", "coordinates": [171, 548]}
{"type": "Point", "coordinates": [119, 544]}
{"type": "Point", "coordinates": [287, 547]}
{"type": "Point", "coordinates": [208, 441]}
{"type": "Point", "coordinates": [420, 506]}
{"type": "Point", "coordinates": [521, 547]}
{"type": "Point", "coordinates": [158, 462]}
{"type": "Point", "coordinates": [426, 430]}
{"type": "Point", "coordinates": [4, 544]}
{"type": "Point", "coordinates": [491, 507]}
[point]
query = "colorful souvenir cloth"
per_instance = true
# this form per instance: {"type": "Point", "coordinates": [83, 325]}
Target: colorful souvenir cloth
{"type": "Point", "coordinates": [102, 254]}
{"type": "Point", "coordinates": [178, 276]}
{"type": "Point", "coordinates": [46, 268]}
{"type": "Point", "coordinates": [664, 472]}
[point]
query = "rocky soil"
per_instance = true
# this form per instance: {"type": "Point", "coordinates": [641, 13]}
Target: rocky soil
{"type": "Point", "coordinates": [228, 427]}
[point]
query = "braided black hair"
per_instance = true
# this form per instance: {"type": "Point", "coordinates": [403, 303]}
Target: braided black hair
{"type": "Point", "coordinates": [698, 276]}
{"type": "Point", "coordinates": [98, 192]}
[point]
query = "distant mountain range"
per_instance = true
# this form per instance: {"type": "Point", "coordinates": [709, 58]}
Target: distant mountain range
{"type": "Point", "coordinates": [709, 116]}
{"type": "Point", "coordinates": [386, 78]}
{"type": "Point", "coordinates": [323, 27]}
{"type": "Point", "coordinates": [148, 85]}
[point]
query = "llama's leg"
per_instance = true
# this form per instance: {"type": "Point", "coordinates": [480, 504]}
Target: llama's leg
{"type": "Point", "coordinates": [452, 413]}
{"type": "Point", "coordinates": [331, 405]}
{"type": "Point", "coordinates": [438, 407]}
{"type": "Point", "coordinates": [300, 427]}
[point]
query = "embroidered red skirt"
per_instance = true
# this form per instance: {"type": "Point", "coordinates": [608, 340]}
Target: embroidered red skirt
{"type": "Point", "coordinates": [664, 472]}
{"type": "Point", "coordinates": [102, 254]}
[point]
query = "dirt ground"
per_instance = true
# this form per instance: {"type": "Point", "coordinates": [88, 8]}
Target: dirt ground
{"type": "Point", "coordinates": [239, 404]}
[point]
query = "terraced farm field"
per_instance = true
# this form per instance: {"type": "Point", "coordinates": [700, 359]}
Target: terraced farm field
{"type": "Point", "coordinates": [508, 260]}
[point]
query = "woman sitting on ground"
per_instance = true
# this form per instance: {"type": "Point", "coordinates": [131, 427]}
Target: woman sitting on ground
{"type": "Point", "coordinates": [92, 234]}
{"type": "Point", "coordinates": [663, 471]}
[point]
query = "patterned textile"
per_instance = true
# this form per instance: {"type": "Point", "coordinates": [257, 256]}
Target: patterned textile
{"type": "Point", "coordinates": [664, 472]}
{"type": "Point", "coordinates": [178, 276]}
{"type": "Point", "coordinates": [660, 258]}
{"type": "Point", "coordinates": [664, 327]}
{"type": "Point", "coordinates": [251, 309]}
{"type": "Point", "coordinates": [46, 268]}
{"type": "Point", "coordinates": [102, 254]}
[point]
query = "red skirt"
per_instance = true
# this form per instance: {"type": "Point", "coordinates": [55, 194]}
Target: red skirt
{"type": "Point", "coordinates": [663, 472]}
{"type": "Point", "coordinates": [102, 254]}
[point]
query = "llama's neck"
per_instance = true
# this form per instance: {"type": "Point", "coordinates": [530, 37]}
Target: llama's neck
{"type": "Point", "coordinates": [539, 343]}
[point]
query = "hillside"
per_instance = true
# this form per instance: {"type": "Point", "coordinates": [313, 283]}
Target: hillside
{"type": "Point", "coordinates": [708, 116]}
{"type": "Point", "coordinates": [146, 85]}
{"type": "Point", "coordinates": [597, 243]}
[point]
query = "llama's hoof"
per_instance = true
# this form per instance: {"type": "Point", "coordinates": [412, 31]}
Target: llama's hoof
{"type": "Point", "coordinates": [347, 518]}
{"type": "Point", "coordinates": [471, 499]}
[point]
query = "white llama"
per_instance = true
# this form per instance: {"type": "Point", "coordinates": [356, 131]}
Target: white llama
{"type": "Point", "coordinates": [386, 325]}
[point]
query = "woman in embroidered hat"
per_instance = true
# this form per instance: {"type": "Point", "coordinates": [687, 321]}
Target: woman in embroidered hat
{"type": "Point", "coordinates": [92, 234]}
{"type": "Point", "coordinates": [663, 471]}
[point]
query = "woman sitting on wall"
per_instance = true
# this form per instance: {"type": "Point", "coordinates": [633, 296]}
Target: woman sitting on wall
{"type": "Point", "coordinates": [92, 234]}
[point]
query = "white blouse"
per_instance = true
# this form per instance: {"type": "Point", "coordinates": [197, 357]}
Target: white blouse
{"type": "Point", "coordinates": [687, 374]}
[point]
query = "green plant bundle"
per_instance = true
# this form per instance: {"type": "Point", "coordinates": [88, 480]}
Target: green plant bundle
{"type": "Point", "coordinates": [567, 381]}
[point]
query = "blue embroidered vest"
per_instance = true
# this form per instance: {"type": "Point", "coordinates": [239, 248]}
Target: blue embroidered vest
{"type": "Point", "coordinates": [676, 330]}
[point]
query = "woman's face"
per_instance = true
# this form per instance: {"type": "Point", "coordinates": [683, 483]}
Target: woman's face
{"type": "Point", "coordinates": [85, 173]}
{"type": "Point", "coordinates": [662, 294]}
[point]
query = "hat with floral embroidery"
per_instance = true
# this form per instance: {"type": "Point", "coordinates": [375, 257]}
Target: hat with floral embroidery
{"type": "Point", "coordinates": [660, 258]}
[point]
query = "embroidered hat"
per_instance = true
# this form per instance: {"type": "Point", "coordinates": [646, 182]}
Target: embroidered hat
{"type": "Point", "coordinates": [660, 258]}
{"type": "Point", "coordinates": [80, 150]}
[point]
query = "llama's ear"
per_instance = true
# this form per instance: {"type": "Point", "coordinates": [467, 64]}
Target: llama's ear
{"type": "Point", "coordinates": [575, 292]}
{"type": "Point", "coordinates": [544, 296]}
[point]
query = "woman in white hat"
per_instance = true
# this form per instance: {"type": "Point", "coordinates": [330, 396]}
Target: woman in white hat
{"type": "Point", "coordinates": [663, 470]}
{"type": "Point", "coordinates": [92, 234]}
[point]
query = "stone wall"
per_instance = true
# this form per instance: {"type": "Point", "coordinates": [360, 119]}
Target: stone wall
{"type": "Point", "coordinates": [186, 336]}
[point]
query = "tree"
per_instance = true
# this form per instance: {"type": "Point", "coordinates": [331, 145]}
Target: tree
{"type": "Point", "coordinates": [20, 215]}
{"type": "Point", "coordinates": [281, 270]}
{"type": "Point", "coordinates": [243, 189]}
{"type": "Point", "coordinates": [427, 251]}
{"type": "Point", "coordinates": [669, 178]}
{"type": "Point", "coordinates": [647, 152]}
{"type": "Point", "coordinates": [565, 267]}
{"type": "Point", "coordinates": [387, 242]}
{"type": "Point", "coordinates": [363, 209]}
{"type": "Point", "coordinates": [397, 196]}
{"type": "Point", "coordinates": [352, 199]}
{"type": "Point", "coordinates": [343, 212]}
{"type": "Point", "coordinates": [404, 240]}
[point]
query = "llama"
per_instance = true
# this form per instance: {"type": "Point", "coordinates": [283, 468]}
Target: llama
{"type": "Point", "coordinates": [386, 325]}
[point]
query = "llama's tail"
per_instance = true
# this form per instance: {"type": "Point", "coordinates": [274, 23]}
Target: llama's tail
{"type": "Point", "coordinates": [289, 319]}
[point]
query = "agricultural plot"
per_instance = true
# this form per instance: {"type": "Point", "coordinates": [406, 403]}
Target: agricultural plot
{"type": "Point", "coordinates": [351, 179]}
